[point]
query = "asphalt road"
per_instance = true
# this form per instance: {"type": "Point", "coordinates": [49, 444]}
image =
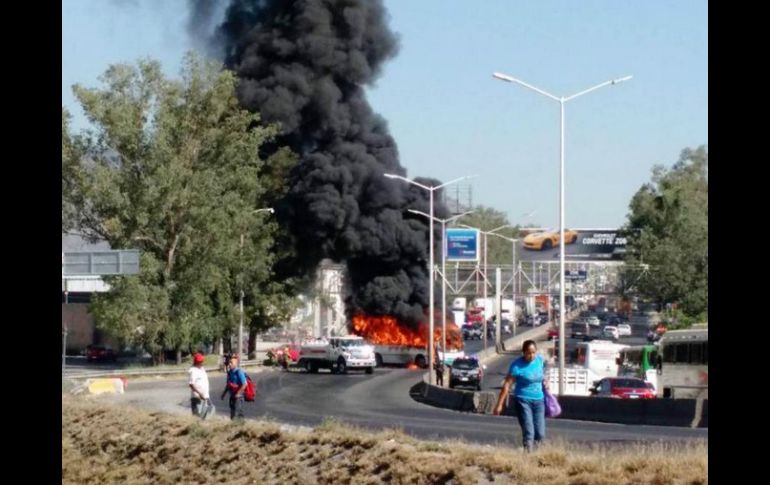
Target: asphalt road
{"type": "Point", "coordinates": [383, 400]}
{"type": "Point", "coordinates": [474, 346]}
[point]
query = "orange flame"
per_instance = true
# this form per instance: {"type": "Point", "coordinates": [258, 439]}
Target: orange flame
{"type": "Point", "coordinates": [387, 330]}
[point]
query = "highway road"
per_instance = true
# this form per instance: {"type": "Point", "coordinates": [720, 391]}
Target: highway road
{"type": "Point", "coordinates": [386, 399]}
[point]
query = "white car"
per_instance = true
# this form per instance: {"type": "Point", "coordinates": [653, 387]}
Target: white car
{"type": "Point", "coordinates": [624, 330]}
{"type": "Point", "coordinates": [610, 331]}
{"type": "Point", "coordinates": [593, 321]}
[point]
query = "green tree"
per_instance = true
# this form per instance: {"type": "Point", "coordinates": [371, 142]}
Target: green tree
{"type": "Point", "coordinates": [670, 216]}
{"type": "Point", "coordinates": [71, 152]}
{"type": "Point", "coordinates": [172, 168]}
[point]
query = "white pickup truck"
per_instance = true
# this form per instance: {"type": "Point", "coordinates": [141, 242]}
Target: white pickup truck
{"type": "Point", "coordinates": [337, 354]}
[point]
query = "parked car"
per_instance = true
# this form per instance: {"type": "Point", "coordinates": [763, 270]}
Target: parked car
{"type": "Point", "coordinates": [100, 353]}
{"type": "Point", "coordinates": [466, 371]}
{"type": "Point", "coordinates": [553, 333]}
{"type": "Point", "coordinates": [624, 330]}
{"type": "Point", "coordinates": [579, 330]}
{"type": "Point", "coordinates": [472, 331]}
{"type": "Point", "coordinates": [610, 331]}
{"type": "Point", "coordinates": [623, 388]}
{"type": "Point", "coordinates": [593, 321]}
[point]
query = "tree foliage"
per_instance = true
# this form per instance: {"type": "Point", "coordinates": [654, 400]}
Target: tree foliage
{"type": "Point", "coordinates": [172, 168]}
{"type": "Point", "coordinates": [669, 216]}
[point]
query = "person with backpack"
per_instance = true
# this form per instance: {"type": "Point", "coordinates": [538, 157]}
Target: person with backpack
{"type": "Point", "coordinates": [236, 386]}
{"type": "Point", "coordinates": [199, 388]}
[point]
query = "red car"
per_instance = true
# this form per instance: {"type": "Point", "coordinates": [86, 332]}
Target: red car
{"type": "Point", "coordinates": [553, 333]}
{"type": "Point", "coordinates": [623, 388]}
{"type": "Point", "coordinates": [100, 353]}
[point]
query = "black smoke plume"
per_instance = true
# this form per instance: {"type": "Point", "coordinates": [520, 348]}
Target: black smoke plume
{"type": "Point", "coordinates": [304, 64]}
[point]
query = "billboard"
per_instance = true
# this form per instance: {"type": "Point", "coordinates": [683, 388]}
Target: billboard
{"type": "Point", "coordinates": [462, 244]}
{"type": "Point", "coordinates": [581, 245]}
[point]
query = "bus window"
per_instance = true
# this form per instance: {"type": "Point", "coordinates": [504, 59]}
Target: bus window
{"type": "Point", "coordinates": [668, 353]}
{"type": "Point", "coordinates": [682, 352]}
{"type": "Point", "coordinates": [696, 353]}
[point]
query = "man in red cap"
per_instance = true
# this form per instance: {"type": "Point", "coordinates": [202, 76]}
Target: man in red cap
{"type": "Point", "coordinates": [199, 388]}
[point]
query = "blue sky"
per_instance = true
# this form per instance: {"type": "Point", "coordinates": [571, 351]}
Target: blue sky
{"type": "Point", "coordinates": [450, 118]}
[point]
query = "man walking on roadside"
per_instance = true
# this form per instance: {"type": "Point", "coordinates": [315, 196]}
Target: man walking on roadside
{"type": "Point", "coordinates": [438, 366]}
{"type": "Point", "coordinates": [236, 385]}
{"type": "Point", "coordinates": [199, 388]}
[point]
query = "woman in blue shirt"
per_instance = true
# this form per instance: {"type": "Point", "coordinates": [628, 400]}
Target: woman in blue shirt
{"type": "Point", "coordinates": [528, 373]}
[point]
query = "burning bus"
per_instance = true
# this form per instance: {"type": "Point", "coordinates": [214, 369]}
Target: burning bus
{"type": "Point", "coordinates": [398, 344]}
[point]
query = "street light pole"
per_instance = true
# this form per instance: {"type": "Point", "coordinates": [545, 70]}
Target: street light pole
{"type": "Point", "coordinates": [443, 287]}
{"type": "Point", "coordinates": [240, 326]}
{"type": "Point", "coordinates": [64, 332]}
{"type": "Point", "coordinates": [486, 234]}
{"type": "Point", "coordinates": [561, 101]}
{"type": "Point", "coordinates": [431, 311]}
{"type": "Point", "coordinates": [431, 317]}
{"type": "Point", "coordinates": [443, 267]}
{"type": "Point", "coordinates": [513, 276]}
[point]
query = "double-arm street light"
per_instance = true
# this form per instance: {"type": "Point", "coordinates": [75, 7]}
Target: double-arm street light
{"type": "Point", "coordinates": [486, 237]}
{"type": "Point", "coordinates": [431, 190]}
{"type": "Point", "coordinates": [561, 100]}
{"type": "Point", "coordinates": [443, 222]}
{"type": "Point", "coordinates": [513, 278]}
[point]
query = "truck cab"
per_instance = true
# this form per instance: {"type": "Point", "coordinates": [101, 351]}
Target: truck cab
{"type": "Point", "coordinates": [337, 354]}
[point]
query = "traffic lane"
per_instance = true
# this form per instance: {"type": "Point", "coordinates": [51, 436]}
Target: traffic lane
{"type": "Point", "coordinates": [638, 333]}
{"type": "Point", "coordinates": [497, 369]}
{"type": "Point", "coordinates": [476, 346]}
{"type": "Point", "coordinates": [382, 401]}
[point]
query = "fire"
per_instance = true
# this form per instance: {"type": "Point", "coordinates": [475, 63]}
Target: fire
{"type": "Point", "coordinates": [387, 330]}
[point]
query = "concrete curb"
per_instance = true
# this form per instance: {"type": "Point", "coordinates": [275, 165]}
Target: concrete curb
{"type": "Point", "coordinates": [652, 412]}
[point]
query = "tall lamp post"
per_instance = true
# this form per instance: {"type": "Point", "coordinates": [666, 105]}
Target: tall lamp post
{"type": "Point", "coordinates": [430, 189]}
{"type": "Point", "coordinates": [240, 326]}
{"type": "Point", "coordinates": [513, 276]}
{"type": "Point", "coordinates": [561, 100]}
{"type": "Point", "coordinates": [443, 267]}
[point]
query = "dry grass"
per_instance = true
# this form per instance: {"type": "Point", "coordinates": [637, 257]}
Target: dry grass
{"type": "Point", "coordinates": [116, 444]}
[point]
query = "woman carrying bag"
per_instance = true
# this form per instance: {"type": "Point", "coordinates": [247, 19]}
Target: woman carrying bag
{"type": "Point", "coordinates": [528, 373]}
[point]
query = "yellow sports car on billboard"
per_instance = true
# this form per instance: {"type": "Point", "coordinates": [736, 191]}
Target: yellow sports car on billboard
{"type": "Point", "coordinates": [548, 239]}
